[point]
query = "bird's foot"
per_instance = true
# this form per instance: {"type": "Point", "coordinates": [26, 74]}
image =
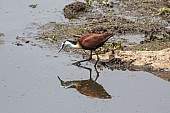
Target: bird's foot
{"type": "Point", "coordinates": [76, 63]}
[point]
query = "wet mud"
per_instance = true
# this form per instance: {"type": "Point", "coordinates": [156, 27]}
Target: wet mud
{"type": "Point", "coordinates": [121, 18]}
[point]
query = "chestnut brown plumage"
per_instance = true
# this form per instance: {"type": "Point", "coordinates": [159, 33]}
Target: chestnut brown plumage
{"type": "Point", "coordinates": [88, 42]}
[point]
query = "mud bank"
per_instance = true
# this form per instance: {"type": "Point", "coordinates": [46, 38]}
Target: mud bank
{"type": "Point", "coordinates": [158, 60]}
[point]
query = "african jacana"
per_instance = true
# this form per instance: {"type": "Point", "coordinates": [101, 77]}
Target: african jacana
{"type": "Point", "coordinates": [88, 42]}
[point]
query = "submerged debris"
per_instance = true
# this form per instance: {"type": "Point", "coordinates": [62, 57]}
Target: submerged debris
{"type": "Point", "coordinates": [33, 5]}
{"type": "Point", "coordinates": [2, 34]}
{"type": "Point", "coordinates": [20, 41]}
{"type": "Point", "coordinates": [2, 42]}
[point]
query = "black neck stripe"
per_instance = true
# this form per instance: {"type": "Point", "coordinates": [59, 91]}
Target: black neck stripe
{"type": "Point", "coordinates": [73, 42]}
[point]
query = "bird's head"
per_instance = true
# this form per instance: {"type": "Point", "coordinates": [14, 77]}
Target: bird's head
{"type": "Point", "coordinates": [68, 43]}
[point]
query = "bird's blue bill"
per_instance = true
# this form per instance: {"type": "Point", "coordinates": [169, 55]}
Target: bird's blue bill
{"type": "Point", "coordinates": [62, 46]}
{"type": "Point", "coordinates": [60, 50]}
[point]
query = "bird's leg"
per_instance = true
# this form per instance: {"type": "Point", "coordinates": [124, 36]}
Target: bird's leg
{"type": "Point", "coordinates": [90, 70]}
{"type": "Point", "coordinates": [97, 59]}
{"type": "Point", "coordinates": [97, 73]}
{"type": "Point", "coordinates": [78, 62]}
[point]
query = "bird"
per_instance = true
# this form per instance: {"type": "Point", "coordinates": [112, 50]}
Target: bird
{"type": "Point", "coordinates": [90, 42]}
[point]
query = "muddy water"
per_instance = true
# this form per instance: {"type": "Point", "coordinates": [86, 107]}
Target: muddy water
{"type": "Point", "coordinates": [28, 74]}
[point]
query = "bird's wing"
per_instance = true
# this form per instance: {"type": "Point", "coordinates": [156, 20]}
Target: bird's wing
{"type": "Point", "coordinates": [94, 41]}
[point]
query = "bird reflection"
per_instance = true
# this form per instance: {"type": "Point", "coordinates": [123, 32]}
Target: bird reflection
{"type": "Point", "coordinates": [87, 87]}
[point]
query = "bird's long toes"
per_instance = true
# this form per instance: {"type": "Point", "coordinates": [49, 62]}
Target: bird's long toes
{"type": "Point", "coordinates": [76, 63]}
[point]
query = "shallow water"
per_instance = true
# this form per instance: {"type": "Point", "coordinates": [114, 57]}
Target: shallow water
{"type": "Point", "coordinates": [28, 74]}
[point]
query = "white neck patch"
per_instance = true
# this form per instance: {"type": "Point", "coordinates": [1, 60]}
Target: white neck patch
{"type": "Point", "coordinates": [68, 43]}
